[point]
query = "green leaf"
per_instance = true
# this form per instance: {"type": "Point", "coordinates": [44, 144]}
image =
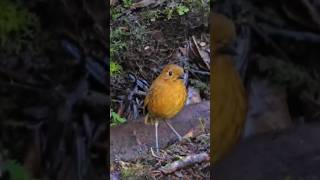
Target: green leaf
{"type": "Point", "coordinates": [181, 9]}
{"type": "Point", "coordinates": [115, 68]}
{"type": "Point", "coordinates": [127, 3]}
{"type": "Point", "coordinates": [116, 119]}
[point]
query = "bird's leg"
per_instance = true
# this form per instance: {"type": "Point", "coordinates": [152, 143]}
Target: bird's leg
{"type": "Point", "coordinates": [175, 132]}
{"type": "Point", "coordinates": [157, 143]}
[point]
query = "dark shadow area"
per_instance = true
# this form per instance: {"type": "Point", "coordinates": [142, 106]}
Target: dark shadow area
{"type": "Point", "coordinates": [53, 95]}
{"type": "Point", "coordinates": [277, 51]}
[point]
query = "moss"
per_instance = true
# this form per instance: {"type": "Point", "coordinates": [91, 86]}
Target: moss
{"type": "Point", "coordinates": [17, 26]}
{"type": "Point", "coordinates": [127, 3]}
{"type": "Point", "coordinates": [17, 171]}
{"type": "Point", "coordinates": [117, 43]}
{"type": "Point", "coordinates": [135, 172]}
{"type": "Point", "coordinates": [115, 68]}
{"type": "Point", "coordinates": [115, 12]}
{"type": "Point", "coordinates": [199, 85]}
{"type": "Point", "coordinates": [151, 15]}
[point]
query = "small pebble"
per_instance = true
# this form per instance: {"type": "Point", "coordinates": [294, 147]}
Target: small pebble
{"type": "Point", "coordinates": [202, 44]}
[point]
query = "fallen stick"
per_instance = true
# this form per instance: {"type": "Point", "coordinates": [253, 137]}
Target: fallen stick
{"type": "Point", "coordinates": [187, 161]}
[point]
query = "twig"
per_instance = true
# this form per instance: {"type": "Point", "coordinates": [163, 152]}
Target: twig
{"type": "Point", "coordinates": [199, 54]}
{"type": "Point", "coordinates": [187, 161]}
{"type": "Point", "coordinates": [269, 41]}
{"type": "Point", "coordinates": [294, 17]}
{"type": "Point", "coordinates": [296, 35]}
{"type": "Point", "coordinates": [205, 73]}
{"type": "Point", "coordinates": [154, 154]}
{"type": "Point", "coordinates": [313, 12]}
{"type": "Point", "coordinates": [243, 48]}
{"type": "Point", "coordinates": [140, 5]}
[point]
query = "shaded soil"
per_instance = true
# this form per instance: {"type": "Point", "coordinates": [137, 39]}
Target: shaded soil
{"type": "Point", "coordinates": [53, 94]}
{"type": "Point", "coordinates": [281, 67]}
{"type": "Point", "coordinates": [291, 154]}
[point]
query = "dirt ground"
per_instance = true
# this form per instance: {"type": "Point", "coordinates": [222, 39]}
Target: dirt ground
{"type": "Point", "coordinates": [155, 35]}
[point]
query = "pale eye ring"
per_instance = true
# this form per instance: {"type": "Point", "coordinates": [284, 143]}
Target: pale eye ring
{"type": "Point", "coordinates": [170, 73]}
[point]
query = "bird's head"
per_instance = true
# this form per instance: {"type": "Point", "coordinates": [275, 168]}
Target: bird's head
{"type": "Point", "coordinates": [172, 72]}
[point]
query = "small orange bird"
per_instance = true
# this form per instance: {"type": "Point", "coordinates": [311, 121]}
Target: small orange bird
{"type": "Point", "coordinates": [165, 98]}
{"type": "Point", "coordinates": [223, 31]}
{"type": "Point", "coordinates": [228, 98]}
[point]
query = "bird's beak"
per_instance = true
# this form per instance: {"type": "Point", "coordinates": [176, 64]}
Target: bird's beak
{"type": "Point", "coordinates": [181, 76]}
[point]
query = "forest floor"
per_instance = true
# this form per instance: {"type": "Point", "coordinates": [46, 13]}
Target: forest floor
{"type": "Point", "coordinates": [169, 164]}
{"type": "Point", "coordinates": [145, 36]}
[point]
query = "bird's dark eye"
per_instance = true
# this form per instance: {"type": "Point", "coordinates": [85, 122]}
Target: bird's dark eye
{"type": "Point", "coordinates": [170, 73]}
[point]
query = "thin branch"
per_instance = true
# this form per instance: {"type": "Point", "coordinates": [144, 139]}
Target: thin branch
{"type": "Point", "coordinates": [296, 35]}
{"type": "Point", "coordinates": [269, 41]}
{"type": "Point", "coordinates": [313, 12]}
{"type": "Point", "coordinates": [187, 161]}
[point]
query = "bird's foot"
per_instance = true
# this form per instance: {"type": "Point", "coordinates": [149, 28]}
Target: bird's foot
{"type": "Point", "coordinates": [156, 155]}
{"type": "Point", "coordinates": [187, 139]}
{"type": "Point", "coordinates": [179, 137]}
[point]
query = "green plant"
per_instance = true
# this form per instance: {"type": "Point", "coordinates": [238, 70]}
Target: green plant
{"type": "Point", "coordinates": [115, 12]}
{"type": "Point", "coordinates": [127, 3]}
{"type": "Point", "coordinates": [115, 68]}
{"type": "Point", "coordinates": [118, 33]}
{"type": "Point", "coordinates": [182, 10]}
{"type": "Point", "coordinates": [116, 41]}
{"type": "Point", "coordinates": [151, 15]}
{"type": "Point", "coordinates": [116, 119]}
{"type": "Point", "coordinates": [179, 9]}
{"type": "Point", "coordinates": [168, 12]}
{"type": "Point", "coordinates": [116, 47]}
{"type": "Point", "coordinates": [16, 171]}
{"type": "Point", "coordinates": [139, 34]}
{"type": "Point", "coordinates": [17, 26]}
{"type": "Point", "coordinates": [199, 85]}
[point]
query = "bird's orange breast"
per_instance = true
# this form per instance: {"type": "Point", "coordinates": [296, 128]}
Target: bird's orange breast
{"type": "Point", "coordinates": [166, 98]}
{"type": "Point", "coordinates": [229, 106]}
{"type": "Point", "coordinates": [228, 98]}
